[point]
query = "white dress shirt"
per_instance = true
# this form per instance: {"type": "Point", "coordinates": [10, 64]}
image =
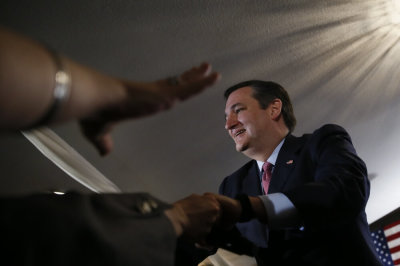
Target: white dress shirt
{"type": "Point", "coordinates": [280, 210]}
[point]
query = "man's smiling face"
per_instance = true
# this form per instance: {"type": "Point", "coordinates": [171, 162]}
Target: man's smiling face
{"type": "Point", "coordinates": [246, 122]}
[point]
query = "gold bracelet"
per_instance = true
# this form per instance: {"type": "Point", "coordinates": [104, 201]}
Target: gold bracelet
{"type": "Point", "coordinates": [61, 90]}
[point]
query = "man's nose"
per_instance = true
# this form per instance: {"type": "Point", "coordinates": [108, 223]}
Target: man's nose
{"type": "Point", "coordinates": [231, 122]}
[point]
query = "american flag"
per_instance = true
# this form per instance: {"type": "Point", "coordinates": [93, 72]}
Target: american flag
{"type": "Point", "coordinates": [387, 244]}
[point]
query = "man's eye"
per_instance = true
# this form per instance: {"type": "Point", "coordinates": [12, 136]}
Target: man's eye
{"type": "Point", "coordinates": [238, 110]}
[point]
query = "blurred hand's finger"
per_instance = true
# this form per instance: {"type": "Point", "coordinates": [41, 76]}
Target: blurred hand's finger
{"type": "Point", "coordinates": [104, 144]}
{"type": "Point", "coordinates": [99, 134]}
{"type": "Point", "coordinates": [197, 86]}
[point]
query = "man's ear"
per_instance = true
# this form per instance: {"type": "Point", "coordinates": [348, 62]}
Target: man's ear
{"type": "Point", "coordinates": [276, 109]}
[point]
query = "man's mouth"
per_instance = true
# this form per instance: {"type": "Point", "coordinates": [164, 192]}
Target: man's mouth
{"type": "Point", "coordinates": [239, 132]}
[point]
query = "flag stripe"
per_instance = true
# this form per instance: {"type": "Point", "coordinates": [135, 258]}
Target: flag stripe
{"type": "Point", "coordinates": [392, 237]}
{"type": "Point", "coordinates": [395, 256]}
{"type": "Point", "coordinates": [392, 230]}
{"type": "Point", "coordinates": [394, 243]}
{"type": "Point", "coordinates": [396, 249]}
{"type": "Point", "coordinates": [391, 225]}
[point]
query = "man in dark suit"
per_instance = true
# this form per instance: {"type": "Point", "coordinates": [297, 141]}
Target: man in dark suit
{"type": "Point", "coordinates": [310, 207]}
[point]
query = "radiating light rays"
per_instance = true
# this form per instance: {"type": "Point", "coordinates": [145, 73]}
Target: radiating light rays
{"type": "Point", "coordinates": [357, 49]}
{"type": "Point", "coordinates": [395, 11]}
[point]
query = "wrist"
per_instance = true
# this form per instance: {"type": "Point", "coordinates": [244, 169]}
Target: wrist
{"type": "Point", "coordinates": [247, 213]}
{"type": "Point", "coordinates": [259, 209]}
{"type": "Point", "coordinates": [61, 90]}
{"type": "Point", "coordinates": [173, 214]}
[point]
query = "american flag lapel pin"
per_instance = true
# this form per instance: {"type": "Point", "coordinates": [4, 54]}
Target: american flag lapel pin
{"type": "Point", "coordinates": [289, 162]}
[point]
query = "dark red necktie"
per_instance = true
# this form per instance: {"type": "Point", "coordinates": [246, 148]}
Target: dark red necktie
{"type": "Point", "coordinates": [266, 177]}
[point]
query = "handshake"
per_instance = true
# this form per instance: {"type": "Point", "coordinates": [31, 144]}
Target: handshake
{"type": "Point", "coordinates": [202, 218]}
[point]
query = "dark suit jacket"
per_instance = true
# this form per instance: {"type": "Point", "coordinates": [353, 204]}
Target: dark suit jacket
{"type": "Point", "coordinates": [327, 183]}
{"type": "Point", "coordinates": [80, 229]}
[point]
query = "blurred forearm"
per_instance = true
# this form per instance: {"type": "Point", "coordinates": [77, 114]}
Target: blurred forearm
{"type": "Point", "coordinates": [27, 73]}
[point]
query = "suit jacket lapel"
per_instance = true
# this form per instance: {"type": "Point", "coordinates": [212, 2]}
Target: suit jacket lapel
{"type": "Point", "coordinates": [252, 183]}
{"type": "Point", "coordinates": [285, 163]}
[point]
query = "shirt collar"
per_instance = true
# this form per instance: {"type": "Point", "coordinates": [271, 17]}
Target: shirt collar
{"type": "Point", "coordinates": [273, 157]}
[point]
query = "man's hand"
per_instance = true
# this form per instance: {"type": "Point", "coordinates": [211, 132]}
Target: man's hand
{"type": "Point", "coordinates": [231, 210]}
{"type": "Point", "coordinates": [141, 99]}
{"type": "Point", "coordinates": [194, 216]}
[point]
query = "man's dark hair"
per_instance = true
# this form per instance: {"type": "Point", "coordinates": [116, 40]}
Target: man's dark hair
{"type": "Point", "coordinates": [265, 92]}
